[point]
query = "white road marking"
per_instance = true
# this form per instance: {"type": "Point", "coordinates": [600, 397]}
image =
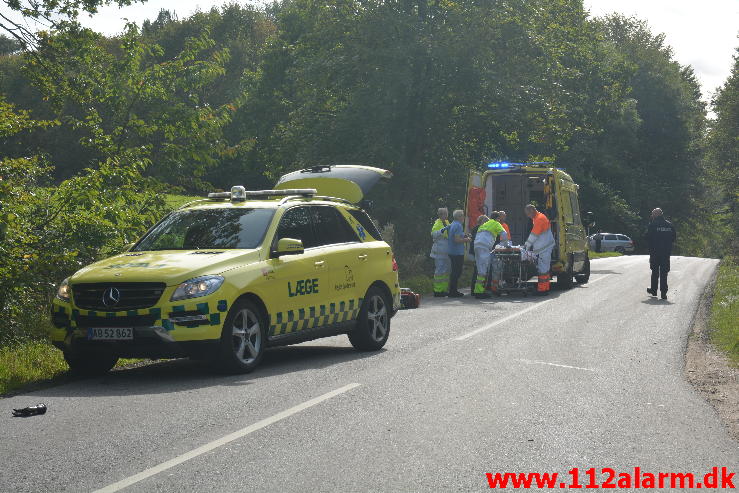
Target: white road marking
{"type": "Point", "coordinates": [537, 362]}
{"type": "Point", "coordinates": [514, 315]}
{"type": "Point", "coordinates": [599, 278]}
{"type": "Point", "coordinates": [502, 320]}
{"type": "Point", "coordinates": [223, 440]}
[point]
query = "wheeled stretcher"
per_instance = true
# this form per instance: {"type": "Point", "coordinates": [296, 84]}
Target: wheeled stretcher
{"type": "Point", "coordinates": [508, 273]}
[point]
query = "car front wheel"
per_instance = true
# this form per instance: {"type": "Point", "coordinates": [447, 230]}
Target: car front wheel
{"type": "Point", "coordinates": [243, 338]}
{"type": "Point", "coordinates": [373, 324]}
{"type": "Point", "coordinates": [89, 363]}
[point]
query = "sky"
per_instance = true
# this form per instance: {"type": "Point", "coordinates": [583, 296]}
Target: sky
{"type": "Point", "coordinates": [703, 34]}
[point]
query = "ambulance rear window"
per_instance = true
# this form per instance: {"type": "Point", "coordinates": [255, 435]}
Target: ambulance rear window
{"type": "Point", "coordinates": [215, 228]}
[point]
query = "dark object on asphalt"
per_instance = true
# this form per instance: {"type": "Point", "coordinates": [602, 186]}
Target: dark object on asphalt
{"type": "Point", "coordinates": [456, 295]}
{"type": "Point", "coordinates": [652, 292]}
{"type": "Point", "coordinates": [409, 299]}
{"type": "Point", "coordinates": [30, 411]}
{"type": "Point", "coordinates": [664, 296]}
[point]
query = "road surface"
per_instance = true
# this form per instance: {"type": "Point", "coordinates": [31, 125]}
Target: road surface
{"type": "Point", "coordinates": [591, 377]}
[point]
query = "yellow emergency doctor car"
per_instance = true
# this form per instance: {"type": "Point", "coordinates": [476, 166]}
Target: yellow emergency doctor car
{"type": "Point", "coordinates": [226, 277]}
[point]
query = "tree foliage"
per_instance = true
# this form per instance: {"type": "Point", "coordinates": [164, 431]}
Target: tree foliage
{"type": "Point", "coordinates": [428, 89]}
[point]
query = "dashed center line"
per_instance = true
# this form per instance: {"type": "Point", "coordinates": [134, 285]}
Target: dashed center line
{"type": "Point", "coordinates": [537, 362]}
{"type": "Point", "coordinates": [125, 483]}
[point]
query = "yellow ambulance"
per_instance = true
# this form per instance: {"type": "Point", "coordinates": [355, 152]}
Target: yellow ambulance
{"type": "Point", "coordinates": [510, 187]}
{"type": "Point", "coordinates": [226, 277]}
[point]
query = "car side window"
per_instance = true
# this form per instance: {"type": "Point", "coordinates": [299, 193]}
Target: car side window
{"type": "Point", "coordinates": [366, 222]}
{"type": "Point", "coordinates": [575, 206]}
{"type": "Point", "coordinates": [609, 237]}
{"type": "Point", "coordinates": [331, 227]}
{"type": "Point", "coordinates": [296, 223]}
{"type": "Point", "coordinates": [567, 207]}
{"type": "Point", "coordinates": [623, 238]}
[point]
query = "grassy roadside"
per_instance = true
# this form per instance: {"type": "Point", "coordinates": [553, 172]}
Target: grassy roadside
{"type": "Point", "coordinates": [174, 201]}
{"type": "Point", "coordinates": [423, 283]}
{"type": "Point", "coordinates": [34, 361]}
{"type": "Point", "coordinates": [29, 362]}
{"type": "Point", "coordinates": [725, 309]}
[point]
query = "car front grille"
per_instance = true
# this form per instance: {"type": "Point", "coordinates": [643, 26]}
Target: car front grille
{"type": "Point", "coordinates": [85, 321]}
{"type": "Point", "coordinates": [115, 297]}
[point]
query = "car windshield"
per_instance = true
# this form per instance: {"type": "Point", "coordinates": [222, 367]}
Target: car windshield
{"type": "Point", "coordinates": [208, 228]}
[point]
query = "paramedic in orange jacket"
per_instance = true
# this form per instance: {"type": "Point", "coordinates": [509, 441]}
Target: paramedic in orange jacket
{"type": "Point", "coordinates": [541, 242]}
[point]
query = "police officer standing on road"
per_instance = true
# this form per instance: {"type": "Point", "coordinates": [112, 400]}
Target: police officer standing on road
{"type": "Point", "coordinates": [660, 236]}
{"type": "Point", "coordinates": [440, 253]}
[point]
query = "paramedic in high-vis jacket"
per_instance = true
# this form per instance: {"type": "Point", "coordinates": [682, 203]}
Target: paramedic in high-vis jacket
{"type": "Point", "coordinates": [541, 242]}
{"type": "Point", "coordinates": [440, 252]}
{"type": "Point", "coordinates": [484, 241]}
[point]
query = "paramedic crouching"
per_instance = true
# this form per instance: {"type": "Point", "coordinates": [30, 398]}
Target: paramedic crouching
{"type": "Point", "coordinates": [541, 242]}
{"type": "Point", "coordinates": [484, 241]}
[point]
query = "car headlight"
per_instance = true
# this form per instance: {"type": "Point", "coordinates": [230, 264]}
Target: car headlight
{"type": "Point", "coordinates": [197, 287]}
{"type": "Point", "coordinates": [63, 291]}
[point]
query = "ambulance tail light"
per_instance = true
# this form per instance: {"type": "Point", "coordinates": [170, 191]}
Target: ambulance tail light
{"type": "Point", "coordinates": [395, 264]}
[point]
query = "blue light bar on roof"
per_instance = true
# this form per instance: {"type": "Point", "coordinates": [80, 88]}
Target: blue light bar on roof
{"type": "Point", "coordinates": [499, 165]}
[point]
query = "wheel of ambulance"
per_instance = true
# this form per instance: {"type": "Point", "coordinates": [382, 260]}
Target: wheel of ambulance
{"type": "Point", "coordinates": [87, 362]}
{"type": "Point", "coordinates": [564, 280]}
{"type": "Point", "coordinates": [584, 276]}
{"type": "Point", "coordinates": [243, 338]}
{"type": "Point", "coordinates": [373, 323]}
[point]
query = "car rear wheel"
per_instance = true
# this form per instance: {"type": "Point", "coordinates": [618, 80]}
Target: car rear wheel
{"type": "Point", "coordinates": [564, 279]}
{"type": "Point", "coordinates": [88, 362]}
{"type": "Point", "coordinates": [243, 338]}
{"type": "Point", "coordinates": [584, 276]}
{"type": "Point", "coordinates": [373, 324]}
{"type": "Point", "coordinates": [619, 249]}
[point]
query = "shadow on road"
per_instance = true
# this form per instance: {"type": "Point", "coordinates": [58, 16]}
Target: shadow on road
{"type": "Point", "coordinates": [657, 301]}
{"type": "Point", "coordinates": [605, 271]}
{"type": "Point", "coordinates": [184, 374]}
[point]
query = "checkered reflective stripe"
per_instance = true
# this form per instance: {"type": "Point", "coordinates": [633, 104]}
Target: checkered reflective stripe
{"type": "Point", "coordinates": [291, 321]}
{"type": "Point", "coordinates": [214, 310]}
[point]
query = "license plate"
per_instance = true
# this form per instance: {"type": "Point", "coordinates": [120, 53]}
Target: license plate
{"type": "Point", "coordinates": [110, 334]}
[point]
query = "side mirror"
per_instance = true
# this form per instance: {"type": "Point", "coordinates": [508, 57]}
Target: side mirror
{"type": "Point", "coordinates": [288, 246]}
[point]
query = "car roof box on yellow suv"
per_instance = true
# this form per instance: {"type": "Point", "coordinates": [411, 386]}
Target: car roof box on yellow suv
{"type": "Point", "coordinates": [348, 182]}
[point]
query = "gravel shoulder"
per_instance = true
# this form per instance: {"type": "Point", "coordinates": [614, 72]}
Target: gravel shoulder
{"type": "Point", "coordinates": [708, 369]}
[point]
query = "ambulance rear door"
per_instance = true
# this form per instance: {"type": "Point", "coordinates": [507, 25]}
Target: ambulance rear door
{"type": "Point", "coordinates": [474, 200]}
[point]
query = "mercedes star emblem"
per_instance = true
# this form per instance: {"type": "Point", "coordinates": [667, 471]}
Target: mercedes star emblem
{"type": "Point", "coordinates": [111, 297]}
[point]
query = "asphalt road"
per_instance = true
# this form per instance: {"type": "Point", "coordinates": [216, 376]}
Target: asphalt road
{"type": "Point", "coordinates": [591, 377]}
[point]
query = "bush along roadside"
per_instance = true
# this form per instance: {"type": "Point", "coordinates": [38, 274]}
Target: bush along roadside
{"type": "Point", "coordinates": [725, 309]}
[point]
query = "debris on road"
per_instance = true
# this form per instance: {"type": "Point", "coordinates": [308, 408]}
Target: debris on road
{"type": "Point", "coordinates": [30, 411]}
{"type": "Point", "coordinates": [409, 299]}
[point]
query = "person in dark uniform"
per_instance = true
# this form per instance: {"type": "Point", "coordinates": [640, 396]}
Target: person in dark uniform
{"type": "Point", "coordinates": [660, 236]}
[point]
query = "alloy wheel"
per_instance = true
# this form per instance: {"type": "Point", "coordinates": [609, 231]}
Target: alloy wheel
{"type": "Point", "coordinates": [377, 318]}
{"type": "Point", "coordinates": [247, 336]}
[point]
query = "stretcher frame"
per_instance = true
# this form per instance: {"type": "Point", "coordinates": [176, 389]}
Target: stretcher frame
{"type": "Point", "coordinates": [512, 277]}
